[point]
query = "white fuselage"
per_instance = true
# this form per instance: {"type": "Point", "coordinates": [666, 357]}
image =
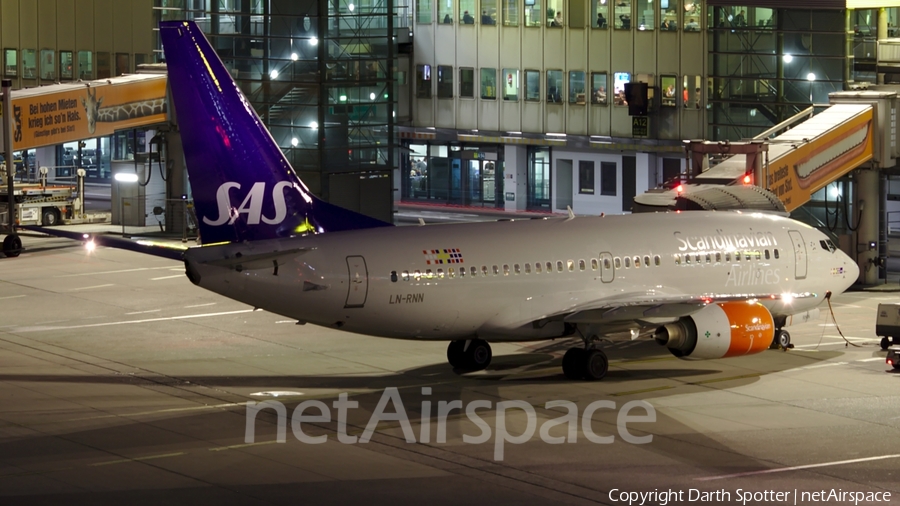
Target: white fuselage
{"type": "Point", "coordinates": [397, 282]}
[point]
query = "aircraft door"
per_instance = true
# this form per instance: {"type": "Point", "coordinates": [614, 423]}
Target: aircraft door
{"type": "Point", "coordinates": [607, 269]}
{"type": "Point", "coordinates": [799, 254]}
{"type": "Point", "coordinates": [359, 282]}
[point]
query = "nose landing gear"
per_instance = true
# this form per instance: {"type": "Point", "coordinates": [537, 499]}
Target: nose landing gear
{"type": "Point", "coordinates": [588, 364]}
{"type": "Point", "coordinates": [469, 355]}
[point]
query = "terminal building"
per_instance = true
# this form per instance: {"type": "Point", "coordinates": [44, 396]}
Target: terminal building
{"type": "Point", "coordinates": [515, 105]}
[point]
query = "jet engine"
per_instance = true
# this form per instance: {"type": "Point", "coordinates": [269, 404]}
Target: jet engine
{"type": "Point", "coordinates": [728, 329]}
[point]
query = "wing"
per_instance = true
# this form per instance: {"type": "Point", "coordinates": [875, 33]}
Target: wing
{"type": "Point", "coordinates": [147, 247]}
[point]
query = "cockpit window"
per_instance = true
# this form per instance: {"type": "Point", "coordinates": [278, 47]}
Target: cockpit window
{"type": "Point", "coordinates": [827, 245]}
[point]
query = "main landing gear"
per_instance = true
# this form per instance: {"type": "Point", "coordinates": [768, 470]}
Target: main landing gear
{"type": "Point", "coordinates": [469, 354]}
{"type": "Point", "coordinates": [588, 364]}
{"type": "Point", "coordinates": [781, 340]}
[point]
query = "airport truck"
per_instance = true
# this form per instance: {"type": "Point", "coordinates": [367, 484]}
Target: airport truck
{"type": "Point", "coordinates": [887, 324]}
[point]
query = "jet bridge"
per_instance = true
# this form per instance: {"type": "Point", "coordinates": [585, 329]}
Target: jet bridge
{"type": "Point", "coordinates": [858, 127]}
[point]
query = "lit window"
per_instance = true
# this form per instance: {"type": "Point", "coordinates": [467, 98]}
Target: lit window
{"type": "Point", "coordinates": [677, 259]}
{"type": "Point", "coordinates": [758, 255]}
{"type": "Point", "coordinates": [747, 256]}
{"type": "Point", "coordinates": [496, 270]}
{"type": "Point", "coordinates": [594, 264]}
{"type": "Point", "coordinates": [506, 269]}
{"type": "Point", "coordinates": [393, 276]}
{"type": "Point", "coordinates": [570, 264]}
{"type": "Point", "coordinates": [637, 262]}
{"type": "Point", "coordinates": [440, 273]}
{"type": "Point", "coordinates": [429, 274]}
{"type": "Point", "coordinates": [516, 269]}
{"type": "Point", "coordinates": [451, 273]}
{"type": "Point", "coordinates": [527, 268]}
{"type": "Point", "coordinates": [418, 275]}
{"type": "Point", "coordinates": [581, 265]}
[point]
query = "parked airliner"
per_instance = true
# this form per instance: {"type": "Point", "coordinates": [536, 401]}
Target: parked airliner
{"type": "Point", "coordinates": [704, 284]}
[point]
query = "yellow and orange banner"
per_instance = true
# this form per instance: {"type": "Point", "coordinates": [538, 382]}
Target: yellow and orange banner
{"type": "Point", "coordinates": [799, 173]}
{"type": "Point", "coordinates": [66, 113]}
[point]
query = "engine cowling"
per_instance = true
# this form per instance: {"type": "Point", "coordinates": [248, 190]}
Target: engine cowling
{"type": "Point", "coordinates": [727, 329]}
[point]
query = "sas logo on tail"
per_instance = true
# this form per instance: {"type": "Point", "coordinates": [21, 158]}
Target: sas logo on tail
{"type": "Point", "coordinates": [251, 206]}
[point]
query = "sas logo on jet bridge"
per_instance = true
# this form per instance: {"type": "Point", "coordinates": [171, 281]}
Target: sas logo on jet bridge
{"type": "Point", "coordinates": [443, 256]}
{"type": "Point", "coordinates": [251, 205]}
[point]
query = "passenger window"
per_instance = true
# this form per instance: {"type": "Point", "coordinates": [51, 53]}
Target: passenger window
{"type": "Point", "coordinates": [637, 262]}
{"type": "Point", "coordinates": [549, 268]}
{"type": "Point", "coordinates": [708, 258]}
{"type": "Point", "coordinates": [429, 274]}
{"type": "Point", "coordinates": [737, 256]}
{"type": "Point", "coordinates": [484, 270]}
{"type": "Point", "coordinates": [451, 272]}
{"type": "Point", "coordinates": [581, 265]}
{"type": "Point", "coordinates": [595, 264]}
{"type": "Point", "coordinates": [767, 254]}
{"type": "Point", "coordinates": [496, 270]}
{"type": "Point", "coordinates": [687, 259]}
{"type": "Point", "coordinates": [606, 264]}
{"type": "Point", "coordinates": [570, 264]}
{"type": "Point", "coordinates": [718, 257]}
{"type": "Point", "coordinates": [527, 268]}
{"type": "Point", "coordinates": [537, 267]}
{"type": "Point", "coordinates": [646, 260]}
{"type": "Point", "coordinates": [440, 273]}
{"type": "Point", "coordinates": [677, 259]}
{"type": "Point", "coordinates": [473, 271]}
{"type": "Point", "coordinates": [517, 269]}
{"type": "Point", "coordinates": [393, 276]}
{"type": "Point", "coordinates": [747, 256]}
{"type": "Point", "coordinates": [627, 262]}
{"type": "Point", "coordinates": [559, 266]}
{"type": "Point", "coordinates": [405, 275]}
{"type": "Point", "coordinates": [728, 257]}
{"type": "Point", "coordinates": [697, 258]}
{"type": "Point", "coordinates": [506, 269]}
{"type": "Point", "coordinates": [657, 261]}
{"type": "Point", "coordinates": [418, 275]}
{"type": "Point", "coordinates": [617, 262]}
{"type": "Point", "coordinates": [776, 252]}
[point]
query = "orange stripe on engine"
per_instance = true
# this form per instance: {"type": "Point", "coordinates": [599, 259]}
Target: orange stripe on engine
{"type": "Point", "coordinates": [752, 328]}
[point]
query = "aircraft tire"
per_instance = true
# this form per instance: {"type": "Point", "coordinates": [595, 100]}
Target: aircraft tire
{"type": "Point", "coordinates": [12, 245]}
{"type": "Point", "coordinates": [574, 362]}
{"type": "Point", "coordinates": [784, 339]}
{"type": "Point", "coordinates": [477, 356]}
{"type": "Point", "coordinates": [455, 353]}
{"type": "Point", "coordinates": [596, 365]}
{"type": "Point", "coordinates": [885, 343]}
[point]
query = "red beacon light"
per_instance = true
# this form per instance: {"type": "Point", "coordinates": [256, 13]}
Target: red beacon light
{"type": "Point", "coordinates": [747, 179]}
{"type": "Point", "coordinates": [679, 189]}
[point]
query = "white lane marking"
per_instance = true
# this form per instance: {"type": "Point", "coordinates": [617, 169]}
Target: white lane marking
{"type": "Point", "coordinates": [842, 343]}
{"type": "Point", "coordinates": [873, 359]}
{"type": "Point", "coordinates": [201, 305]}
{"type": "Point", "coordinates": [149, 320]}
{"type": "Point", "coordinates": [819, 366]}
{"type": "Point", "coordinates": [137, 459]}
{"type": "Point", "coordinates": [158, 411]}
{"type": "Point", "coordinates": [12, 297]}
{"type": "Point", "coordinates": [89, 287]}
{"type": "Point", "coordinates": [285, 321]}
{"type": "Point", "coordinates": [168, 277]}
{"type": "Point", "coordinates": [142, 312]}
{"type": "Point", "coordinates": [112, 272]}
{"type": "Point", "coordinates": [797, 468]}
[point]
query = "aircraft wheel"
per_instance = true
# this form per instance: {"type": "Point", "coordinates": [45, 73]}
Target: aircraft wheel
{"type": "Point", "coordinates": [596, 365]}
{"type": "Point", "coordinates": [478, 355]}
{"type": "Point", "coordinates": [885, 343]}
{"type": "Point", "coordinates": [784, 339]}
{"type": "Point", "coordinates": [574, 363]}
{"type": "Point", "coordinates": [455, 354]}
{"type": "Point", "coordinates": [12, 245]}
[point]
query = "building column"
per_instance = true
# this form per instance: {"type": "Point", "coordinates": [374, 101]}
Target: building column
{"type": "Point", "coordinates": [866, 206]}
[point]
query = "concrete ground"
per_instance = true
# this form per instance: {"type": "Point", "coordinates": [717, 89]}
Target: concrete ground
{"type": "Point", "coordinates": [122, 383]}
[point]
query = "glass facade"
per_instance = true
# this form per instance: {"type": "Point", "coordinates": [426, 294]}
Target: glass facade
{"type": "Point", "coordinates": [320, 74]}
{"type": "Point", "coordinates": [447, 173]}
{"type": "Point", "coordinates": [765, 65]}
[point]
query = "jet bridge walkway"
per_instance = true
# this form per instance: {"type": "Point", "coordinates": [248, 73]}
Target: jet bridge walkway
{"type": "Point", "coordinates": [792, 165]}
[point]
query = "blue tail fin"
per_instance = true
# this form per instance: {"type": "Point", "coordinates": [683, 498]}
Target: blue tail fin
{"type": "Point", "coordinates": [244, 188]}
